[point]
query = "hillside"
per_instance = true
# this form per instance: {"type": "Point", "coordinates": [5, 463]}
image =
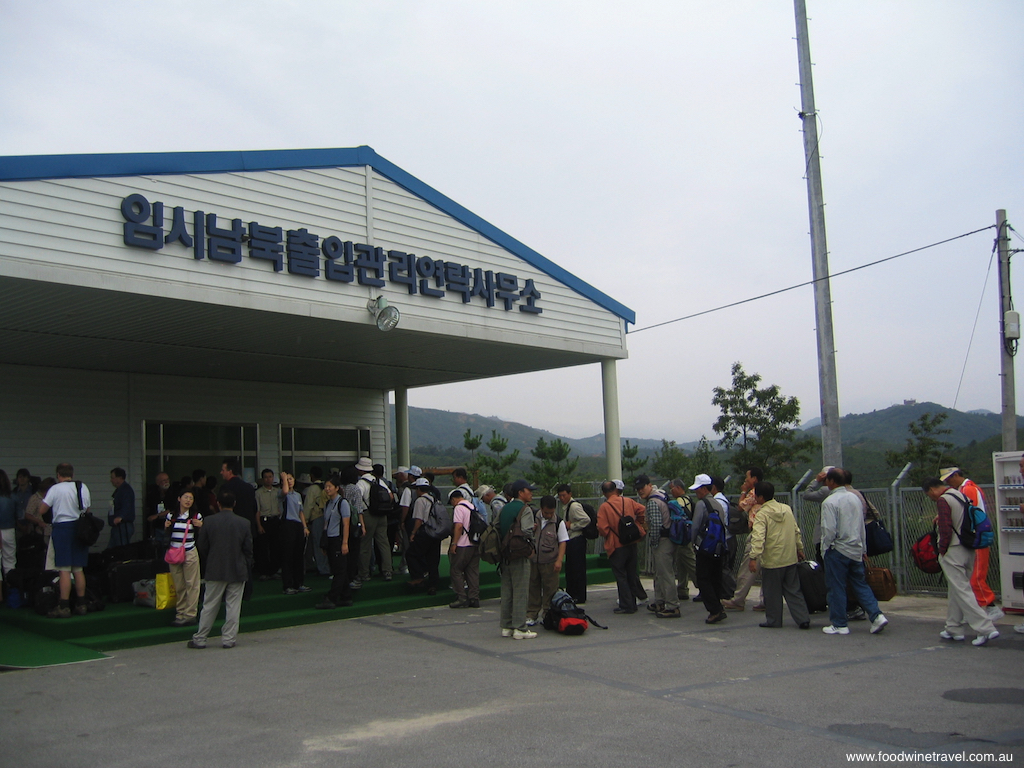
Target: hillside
{"type": "Point", "coordinates": [888, 428]}
{"type": "Point", "coordinates": [436, 437]}
{"type": "Point", "coordinates": [445, 429]}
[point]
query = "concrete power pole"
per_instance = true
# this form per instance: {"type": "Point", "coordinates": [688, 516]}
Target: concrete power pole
{"type": "Point", "coordinates": [1009, 332]}
{"type": "Point", "coordinates": [831, 443]}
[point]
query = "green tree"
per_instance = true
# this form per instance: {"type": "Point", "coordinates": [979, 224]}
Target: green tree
{"type": "Point", "coordinates": [704, 459]}
{"type": "Point", "coordinates": [494, 469]}
{"type": "Point", "coordinates": [471, 442]}
{"type": "Point", "coordinates": [631, 463]}
{"type": "Point", "coordinates": [554, 466]}
{"type": "Point", "coordinates": [924, 449]}
{"type": "Point", "coordinates": [759, 425]}
{"type": "Point", "coordinates": [670, 461]}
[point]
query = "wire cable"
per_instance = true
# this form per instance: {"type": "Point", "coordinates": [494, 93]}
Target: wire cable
{"type": "Point", "coordinates": [970, 343]}
{"type": "Point", "coordinates": [810, 282]}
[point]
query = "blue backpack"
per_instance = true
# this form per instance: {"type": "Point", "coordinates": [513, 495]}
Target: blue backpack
{"type": "Point", "coordinates": [680, 528]}
{"type": "Point", "coordinates": [713, 541]}
{"type": "Point", "coordinates": [976, 529]}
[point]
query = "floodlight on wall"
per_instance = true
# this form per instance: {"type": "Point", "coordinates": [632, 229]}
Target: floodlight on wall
{"type": "Point", "coordinates": [387, 317]}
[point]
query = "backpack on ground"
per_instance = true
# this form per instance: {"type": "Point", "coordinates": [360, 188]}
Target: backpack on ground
{"type": "Point", "coordinates": [713, 536]}
{"type": "Point", "coordinates": [47, 592]}
{"type": "Point", "coordinates": [381, 501]}
{"type": "Point", "coordinates": [438, 524]}
{"type": "Point", "coordinates": [739, 521]}
{"type": "Point", "coordinates": [926, 552]}
{"type": "Point", "coordinates": [975, 527]}
{"type": "Point", "coordinates": [680, 527]}
{"type": "Point", "coordinates": [564, 616]}
{"type": "Point", "coordinates": [477, 521]}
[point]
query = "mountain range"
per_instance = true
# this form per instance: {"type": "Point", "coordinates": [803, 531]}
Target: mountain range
{"type": "Point", "coordinates": [878, 430]}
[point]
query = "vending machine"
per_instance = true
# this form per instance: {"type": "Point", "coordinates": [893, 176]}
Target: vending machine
{"type": "Point", "coordinates": [1008, 521]}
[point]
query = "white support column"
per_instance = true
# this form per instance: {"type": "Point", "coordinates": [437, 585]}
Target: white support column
{"type": "Point", "coordinates": [612, 437]}
{"type": "Point", "coordinates": [402, 425]}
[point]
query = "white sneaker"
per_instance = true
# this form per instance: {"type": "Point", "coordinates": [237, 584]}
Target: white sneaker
{"type": "Point", "coordinates": [980, 640]}
{"type": "Point", "coordinates": [506, 633]}
{"type": "Point", "coordinates": [878, 624]}
{"type": "Point", "coordinates": [994, 612]}
{"type": "Point", "coordinates": [531, 622]}
{"type": "Point", "coordinates": [1019, 628]}
{"type": "Point", "coordinates": [523, 634]}
{"type": "Point", "coordinates": [947, 635]}
{"type": "Point", "coordinates": [834, 630]}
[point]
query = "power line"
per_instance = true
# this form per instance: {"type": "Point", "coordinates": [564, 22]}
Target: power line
{"type": "Point", "coordinates": [810, 282]}
{"type": "Point", "coordinates": [970, 343]}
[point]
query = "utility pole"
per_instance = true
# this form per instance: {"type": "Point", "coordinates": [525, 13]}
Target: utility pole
{"type": "Point", "coordinates": [1009, 333]}
{"type": "Point", "coordinates": [831, 442]}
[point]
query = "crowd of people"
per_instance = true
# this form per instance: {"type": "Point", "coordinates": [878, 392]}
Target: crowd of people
{"type": "Point", "coordinates": [357, 522]}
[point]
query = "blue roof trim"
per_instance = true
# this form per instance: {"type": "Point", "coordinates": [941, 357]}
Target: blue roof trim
{"type": "Point", "coordinates": [33, 168]}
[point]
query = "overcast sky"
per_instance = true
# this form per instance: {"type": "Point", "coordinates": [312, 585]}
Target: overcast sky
{"type": "Point", "coordinates": [651, 148]}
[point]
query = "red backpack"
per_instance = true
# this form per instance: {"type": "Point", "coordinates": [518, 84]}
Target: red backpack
{"type": "Point", "coordinates": [926, 552]}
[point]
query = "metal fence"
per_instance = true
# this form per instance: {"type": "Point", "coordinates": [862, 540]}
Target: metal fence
{"type": "Point", "coordinates": [907, 514]}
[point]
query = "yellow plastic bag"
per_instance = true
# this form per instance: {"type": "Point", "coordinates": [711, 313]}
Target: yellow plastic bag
{"type": "Point", "coordinates": [166, 597]}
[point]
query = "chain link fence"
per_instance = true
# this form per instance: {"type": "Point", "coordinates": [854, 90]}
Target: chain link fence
{"type": "Point", "coordinates": [907, 514]}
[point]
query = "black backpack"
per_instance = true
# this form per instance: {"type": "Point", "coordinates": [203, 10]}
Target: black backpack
{"type": "Point", "coordinates": [563, 615]}
{"type": "Point", "coordinates": [590, 532]}
{"type": "Point", "coordinates": [628, 530]}
{"type": "Point", "coordinates": [382, 502]}
{"type": "Point", "coordinates": [739, 521]}
{"type": "Point", "coordinates": [477, 521]}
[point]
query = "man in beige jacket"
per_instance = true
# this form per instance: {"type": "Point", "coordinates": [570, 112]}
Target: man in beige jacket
{"type": "Point", "coordinates": [776, 544]}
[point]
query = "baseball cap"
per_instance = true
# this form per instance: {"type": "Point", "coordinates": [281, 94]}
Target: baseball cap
{"type": "Point", "coordinates": [700, 480]}
{"type": "Point", "coordinates": [520, 485]}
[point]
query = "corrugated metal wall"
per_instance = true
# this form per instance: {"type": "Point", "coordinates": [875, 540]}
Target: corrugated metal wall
{"type": "Point", "coordinates": [94, 419]}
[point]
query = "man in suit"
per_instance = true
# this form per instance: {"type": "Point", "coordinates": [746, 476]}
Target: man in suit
{"type": "Point", "coordinates": [225, 551]}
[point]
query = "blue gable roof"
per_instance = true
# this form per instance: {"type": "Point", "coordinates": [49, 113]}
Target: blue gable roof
{"type": "Point", "coordinates": [29, 168]}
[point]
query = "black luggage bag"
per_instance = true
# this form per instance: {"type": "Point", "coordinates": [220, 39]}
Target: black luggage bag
{"type": "Point", "coordinates": [121, 576]}
{"type": "Point", "coordinates": [812, 585]}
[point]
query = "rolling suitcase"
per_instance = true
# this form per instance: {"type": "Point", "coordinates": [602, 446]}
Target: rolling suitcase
{"type": "Point", "coordinates": [812, 585]}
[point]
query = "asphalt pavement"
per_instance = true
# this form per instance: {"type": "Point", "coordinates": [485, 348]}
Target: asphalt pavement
{"type": "Point", "coordinates": [440, 687]}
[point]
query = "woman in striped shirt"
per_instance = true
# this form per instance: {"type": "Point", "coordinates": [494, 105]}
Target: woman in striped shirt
{"type": "Point", "coordinates": [183, 525]}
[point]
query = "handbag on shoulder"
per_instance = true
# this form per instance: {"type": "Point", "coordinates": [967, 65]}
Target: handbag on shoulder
{"type": "Point", "coordinates": [176, 555]}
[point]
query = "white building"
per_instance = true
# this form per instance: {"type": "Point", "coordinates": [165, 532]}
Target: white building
{"type": "Point", "coordinates": [162, 311]}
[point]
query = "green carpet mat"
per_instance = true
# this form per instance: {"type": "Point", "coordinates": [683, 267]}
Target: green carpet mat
{"type": "Point", "coordinates": [31, 640]}
{"type": "Point", "coordinates": [20, 649]}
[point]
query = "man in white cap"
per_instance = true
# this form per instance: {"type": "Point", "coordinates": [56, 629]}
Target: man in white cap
{"type": "Point", "coordinates": [709, 561]}
{"type": "Point", "coordinates": [379, 502]}
{"type": "Point", "coordinates": [954, 477]}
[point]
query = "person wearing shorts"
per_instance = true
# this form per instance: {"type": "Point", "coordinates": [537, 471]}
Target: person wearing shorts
{"type": "Point", "coordinates": [68, 500]}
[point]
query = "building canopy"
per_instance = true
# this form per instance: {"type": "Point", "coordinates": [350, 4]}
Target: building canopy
{"type": "Point", "coordinates": [259, 266]}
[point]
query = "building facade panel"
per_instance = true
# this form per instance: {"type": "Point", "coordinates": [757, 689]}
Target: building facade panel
{"type": "Point", "coordinates": [76, 226]}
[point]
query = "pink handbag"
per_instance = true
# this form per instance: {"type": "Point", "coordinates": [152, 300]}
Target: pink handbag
{"type": "Point", "coordinates": [176, 555]}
